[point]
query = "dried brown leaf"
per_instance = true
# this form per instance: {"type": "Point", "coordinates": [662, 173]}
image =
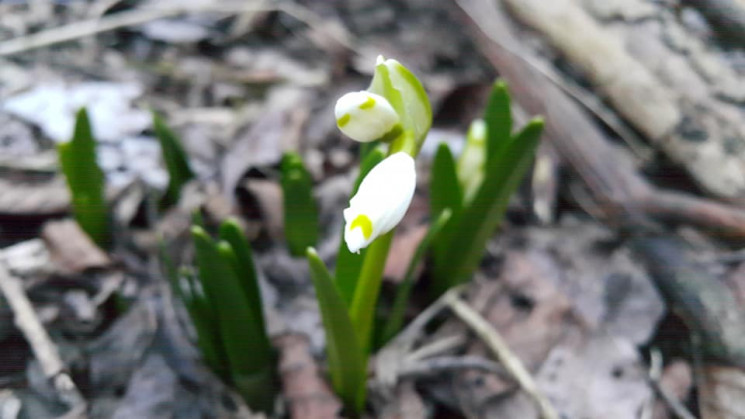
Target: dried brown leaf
{"type": "Point", "coordinates": [402, 251]}
{"type": "Point", "coordinates": [34, 198]}
{"type": "Point", "coordinates": [407, 404]}
{"type": "Point", "coordinates": [722, 392]}
{"type": "Point", "coordinates": [307, 393]}
{"type": "Point", "coordinates": [259, 146]}
{"type": "Point", "coordinates": [71, 249]}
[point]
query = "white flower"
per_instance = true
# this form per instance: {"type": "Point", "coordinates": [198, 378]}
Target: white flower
{"type": "Point", "coordinates": [381, 201]}
{"type": "Point", "coordinates": [364, 116]}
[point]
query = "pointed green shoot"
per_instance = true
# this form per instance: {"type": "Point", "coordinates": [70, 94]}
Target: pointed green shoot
{"type": "Point", "coordinates": [472, 160]}
{"type": "Point", "coordinates": [187, 288]}
{"type": "Point", "coordinates": [347, 361]}
{"type": "Point", "coordinates": [176, 160]}
{"type": "Point", "coordinates": [403, 292]}
{"type": "Point", "coordinates": [86, 181]}
{"type": "Point", "coordinates": [498, 118]}
{"type": "Point", "coordinates": [445, 190]}
{"type": "Point", "coordinates": [249, 354]}
{"type": "Point", "coordinates": [243, 264]}
{"type": "Point", "coordinates": [300, 209]}
{"type": "Point", "coordinates": [477, 222]}
{"type": "Point", "coordinates": [204, 318]}
{"type": "Point", "coordinates": [348, 264]}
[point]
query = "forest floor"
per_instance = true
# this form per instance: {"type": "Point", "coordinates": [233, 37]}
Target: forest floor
{"type": "Point", "coordinates": [615, 279]}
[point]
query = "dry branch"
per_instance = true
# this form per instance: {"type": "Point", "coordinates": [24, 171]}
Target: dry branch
{"type": "Point", "coordinates": [707, 306]}
{"type": "Point", "coordinates": [629, 86]}
{"type": "Point", "coordinates": [501, 350]}
{"type": "Point", "coordinates": [674, 100]}
{"type": "Point", "coordinates": [618, 190]}
{"type": "Point", "coordinates": [41, 344]}
{"type": "Point", "coordinates": [77, 30]}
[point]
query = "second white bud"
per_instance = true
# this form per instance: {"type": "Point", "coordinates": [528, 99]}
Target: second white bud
{"type": "Point", "coordinates": [381, 201]}
{"type": "Point", "coordinates": [364, 116]}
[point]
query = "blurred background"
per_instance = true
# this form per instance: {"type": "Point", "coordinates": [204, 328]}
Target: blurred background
{"type": "Point", "coordinates": [617, 277]}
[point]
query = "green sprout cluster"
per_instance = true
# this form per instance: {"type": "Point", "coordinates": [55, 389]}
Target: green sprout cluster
{"type": "Point", "coordinates": [224, 302]}
{"type": "Point", "coordinates": [492, 166]}
{"type": "Point", "coordinates": [468, 200]}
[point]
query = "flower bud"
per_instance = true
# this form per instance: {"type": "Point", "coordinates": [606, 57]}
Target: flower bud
{"type": "Point", "coordinates": [472, 160]}
{"type": "Point", "coordinates": [381, 201]}
{"type": "Point", "coordinates": [364, 116]}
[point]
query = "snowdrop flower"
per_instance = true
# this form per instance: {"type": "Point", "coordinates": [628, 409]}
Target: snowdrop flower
{"type": "Point", "coordinates": [381, 201]}
{"type": "Point", "coordinates": [364, 116]}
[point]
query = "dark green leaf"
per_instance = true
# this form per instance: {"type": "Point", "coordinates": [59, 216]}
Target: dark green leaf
{"type": "Point", "coordinates": [347, 362]}
{"type": "Point", "coordinates": [187, 288]}
{"type": "Point", "coordinates": [204, 317]}
{"type": "Point", "coordinates": [477, 222]}
{"type": "Point", "coordinates": [174, 156]}
{"type": "Point", "coordinates": [243, 263]}
{"type": "Point", "coordinates": [300, 209]}
{"type": "Point", "coordinates": [244, 339]}
{"type": "Point", "coordinates": [445, 190]}
{"type": "Point", "coordinates": [86, 181]}
{"type": "Point", "coordinates": [498, 120]}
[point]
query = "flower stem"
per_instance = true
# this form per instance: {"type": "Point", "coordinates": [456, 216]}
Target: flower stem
{"type": "Point", "coordinates": [366, 294]}
{"type": "Point", "coordinates": [362, 310]}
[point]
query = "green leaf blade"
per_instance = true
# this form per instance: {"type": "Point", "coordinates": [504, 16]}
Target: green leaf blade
{"type": "Point", "coordinates": [477, 222]}
{"type": "Point", "coordinates": [347, 362]}
{"type": "Point", "coordinates": [445, 189]}
{"type": "Point", "coordinates": [175, 158]}
{"type": "Point", "coordinates": [498, 118]}
{"type": "Point", "coordinates": [300, 209]}
{"type": "Point", "coordinates": [243, 263]}
{"type": "Point", "coordinates": [247, 348]}
{"type": "Point", "coordinates": [204, 318]}
{"type": "Point", "coordinates": [86, 181]}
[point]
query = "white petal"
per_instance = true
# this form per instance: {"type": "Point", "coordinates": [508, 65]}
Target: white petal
{"type": "Point", "coordinates": [383, 198]}
{"type": "Point", "coordinates": [355, 240]}
{"type": "Point", "coordinates": [364, 116]}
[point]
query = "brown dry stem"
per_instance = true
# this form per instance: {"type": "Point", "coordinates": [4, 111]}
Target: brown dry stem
{"type": "Point", "coordinates": [501, 350]}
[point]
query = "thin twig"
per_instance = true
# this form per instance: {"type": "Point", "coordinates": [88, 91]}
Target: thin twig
{"type": "Point", "coordinates": [432, 366]}
{"type": "Point", "coordinates": [84, 28]}
{"type": "Point", "coordinates": [391, 359]}
{"type": "Point", "coordinates": [89, 27]}
{"type": "Point", "coordinates": [501, 350]}
{"type": "Point", "coordinates": [41, 344]}
{"type": "Point", "coordinates": [438, 347]}
{"type": "Point", "coordinates": [672, 402]}
{"type": "Point", "coordinates": [573, 90]}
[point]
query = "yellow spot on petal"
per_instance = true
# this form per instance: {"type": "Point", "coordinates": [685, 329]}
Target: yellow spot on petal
{"type": "Point", "coordinates": [343, 120]}
{"type": "Point", "coordinates": [362, 221]}
{"type": "Point", "coordinates": [369, 103]}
